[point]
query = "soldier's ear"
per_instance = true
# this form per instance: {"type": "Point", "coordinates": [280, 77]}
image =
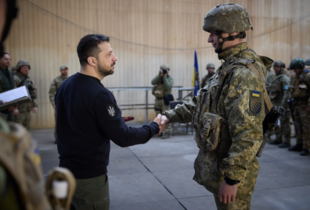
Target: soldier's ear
{"type": "Point", "coordinates": [92, 61]}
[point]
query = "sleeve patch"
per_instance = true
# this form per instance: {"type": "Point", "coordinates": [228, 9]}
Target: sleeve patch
{"type": "Point", "coordinates": [255, 93]}
{"type": "Point", "coordinates": [111, 110]}
{"type": "Point", "coordinates": [285, 87]}
{"type": "Point", "coordinates": [255, 106]}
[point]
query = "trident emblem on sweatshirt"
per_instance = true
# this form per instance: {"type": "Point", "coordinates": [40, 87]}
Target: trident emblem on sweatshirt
{"type": "Point", "coordinates": [111, 111]}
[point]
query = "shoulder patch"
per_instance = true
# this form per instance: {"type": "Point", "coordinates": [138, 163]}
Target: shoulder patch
{"type": "Point", "coordinates": [111, 110]}
{"type": "Point", "coordinates": [255, 102]}
{"type": "Point", "coordinates": [285, 87]}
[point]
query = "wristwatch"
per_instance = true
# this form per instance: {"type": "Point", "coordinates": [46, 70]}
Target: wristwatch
{"type": "Point", "coordinates": [230, 181]}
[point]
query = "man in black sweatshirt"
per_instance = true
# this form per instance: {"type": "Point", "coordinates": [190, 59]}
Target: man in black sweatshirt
{"type": "Point", "coordinates": [88, 119]}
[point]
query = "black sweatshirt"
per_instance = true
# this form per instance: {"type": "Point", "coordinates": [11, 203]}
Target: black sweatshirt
{"type": "Point", "coordinates": [87, 118]}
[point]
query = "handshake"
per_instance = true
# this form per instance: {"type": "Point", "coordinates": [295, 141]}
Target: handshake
{"type": "Point", "coordinates": [162, 121]}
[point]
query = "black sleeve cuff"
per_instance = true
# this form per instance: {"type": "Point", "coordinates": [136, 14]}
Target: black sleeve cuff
{"type": "Point", "coordinates": [230, 181]}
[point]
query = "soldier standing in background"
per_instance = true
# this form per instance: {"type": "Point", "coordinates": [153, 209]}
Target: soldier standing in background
{"type": "Point", "coordinates": [163, 83]}
{"type": "Point", "coordinates": [210, 68]}
{"type": "Point", "coordinates": [21, 78]}
{"type": "Point", "coordinates": [226, 164]}
{"type": "Point", "coordinates": [6, 83]}
{"type": "Point", "coordinates": [300, 93]}
{"type": "Point", "coordinates": [268, 80]}
{"type": "Point", "coordinates": [54, 87]}
{"type": "Point", "coordinates": [279, 94]}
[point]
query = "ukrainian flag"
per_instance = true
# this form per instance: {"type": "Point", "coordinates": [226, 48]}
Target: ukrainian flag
{"type": "Point", "coordinates": [255, 93]}
{"type": "Point", "coordinates": [195, 82]}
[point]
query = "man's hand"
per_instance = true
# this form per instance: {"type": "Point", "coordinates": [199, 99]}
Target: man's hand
{"type": "Point", "coordinates": [34, 109]}
{"type": "Point", "coordinates": [227, 192]}
{"type": "Point", "coordinates": [163, 124]}
{"type": "Point", "coordinates": [16, 111]}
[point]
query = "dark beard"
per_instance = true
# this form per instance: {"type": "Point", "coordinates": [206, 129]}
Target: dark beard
{"type": "Point", "coordinates": [104, 72]}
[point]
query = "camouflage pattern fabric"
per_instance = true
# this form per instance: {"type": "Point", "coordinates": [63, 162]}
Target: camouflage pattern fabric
{"type": "Point", "coordinates": [240, 89]}
{"type": "Point", "coordinates": [268, 79]}
{"type": "Point", "coordinates": [279, 94]}
{"type": "Point", "coordinates": [52, 92]}
{"type": "Point", "coordinates": [205, 79]}
{"type": "Point", "coordinates": [167, 83]}
{"type": "Point", "coordinates": [300, 92]}
{"type": "Point", "coordinates": [160, 106]}
{"type": "Point", "coordinates": [54, 87]}
{"type": "Point", "coordinates": [25, 108]}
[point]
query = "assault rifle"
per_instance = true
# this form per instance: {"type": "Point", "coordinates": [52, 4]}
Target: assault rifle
{"type": "Point", "coordinates": [270, 122]}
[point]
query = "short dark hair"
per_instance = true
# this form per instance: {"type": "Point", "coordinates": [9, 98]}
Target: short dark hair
{"type": "Point", "coordinates": [3, 53]}
{"type": "Point", "coordinates": [88, 46]}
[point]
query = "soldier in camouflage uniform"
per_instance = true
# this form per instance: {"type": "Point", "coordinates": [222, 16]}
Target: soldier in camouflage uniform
{"type": "Point", "coordinates": [210, 68]}
{"type": "Point", "coordinates": [163, 83]}
{"type": "Point", "coordinates": [268, 80]}
{"type": "Point", "coordinates": [54, 87]}
{"type": "Point", "coordinates": [279, 94]}
{"type": "Point", "coordinates": [21, 78]}
{"type": "Point", "coordinates": [300, 93]}
{"type": "Point", "coordinates": [228, 112]}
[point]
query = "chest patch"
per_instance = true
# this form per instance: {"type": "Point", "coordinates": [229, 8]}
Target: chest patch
{"type": "Point", "coordinates": [111, 111]}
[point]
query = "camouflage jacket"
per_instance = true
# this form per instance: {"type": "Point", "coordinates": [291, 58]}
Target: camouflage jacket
{"type": "Point", "coordinates": [54, 87]}
{"type": "Point", "coordinates": [279, 91]}
{"type": "Point", "coordinates": [26, 106]}
{"type": "Point", "coordinates": [205, 79]}
{"type": "Point", "coordinates": [268, 79]}
{"type": "Point", "coordinates": [300, 88]}
{"type": "Point", "coordinates": [167, 83]}
{"type": "Point", "coordinates": [239, 90]}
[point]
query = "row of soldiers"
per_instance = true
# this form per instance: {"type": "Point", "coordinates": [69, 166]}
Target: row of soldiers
{"type": "Point", "coordinates": [293, 94]}
{"type": "Point", "coordinates": [19, 76]}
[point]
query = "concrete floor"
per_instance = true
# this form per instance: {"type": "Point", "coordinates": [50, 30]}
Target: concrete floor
{"type": "Point", "coordinates": [158, 175]}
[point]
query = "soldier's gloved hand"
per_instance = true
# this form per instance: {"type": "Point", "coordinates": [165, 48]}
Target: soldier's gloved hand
{"type": "Point", "coordinates": [34, 109]}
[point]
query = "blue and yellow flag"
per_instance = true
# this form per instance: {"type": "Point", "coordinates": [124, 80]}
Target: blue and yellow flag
{"type": "Point", "coordinates": [195, 81]}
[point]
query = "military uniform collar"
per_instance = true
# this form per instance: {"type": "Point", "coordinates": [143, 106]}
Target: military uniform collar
{"type": "Point", "coordinates": [229, 54]}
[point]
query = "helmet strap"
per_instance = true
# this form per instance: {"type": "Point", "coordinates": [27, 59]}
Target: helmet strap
{"type": "Point", "coordinates": [221, 39]}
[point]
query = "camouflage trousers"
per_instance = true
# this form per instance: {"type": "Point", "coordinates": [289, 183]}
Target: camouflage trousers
{"type": "Point", "coordinates": [160, 107]}
{"type": "Point", "coordinates": [284, 134]}
{"type": "Point", "coordinates": [302, 121]}
{"type": "Point", "coordinates": [239, 204]}
{"type": "Point", "coordinates": [24, 118]}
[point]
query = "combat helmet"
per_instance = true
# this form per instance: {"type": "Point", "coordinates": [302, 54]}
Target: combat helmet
{"type": "Point", "coordinates": [279, 63]}
{"type": "Point", "coordinates": [21, 63]}
{"type": "Point", "coordinates": [164, 66]}
{"type": "Point", "coordinates": [210, 65]}
{"type": "Point", "coordinates": [307, 62]}
{"type": "Point", "coordinates": [297, 63]}
{"type": "Point", "coordinates": [63, 67]}
{"type": "Point", "coordinates": [228, 18]}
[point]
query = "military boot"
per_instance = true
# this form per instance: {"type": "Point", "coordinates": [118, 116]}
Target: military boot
{"type": "Point", "coordinates": [275, 142]}
{"type": "Point", "coordinates": [284, 145]}
{"type": "Point", "coordinates": [297, 147]}
{"type": "Point", "coordinates": [304, 152]}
